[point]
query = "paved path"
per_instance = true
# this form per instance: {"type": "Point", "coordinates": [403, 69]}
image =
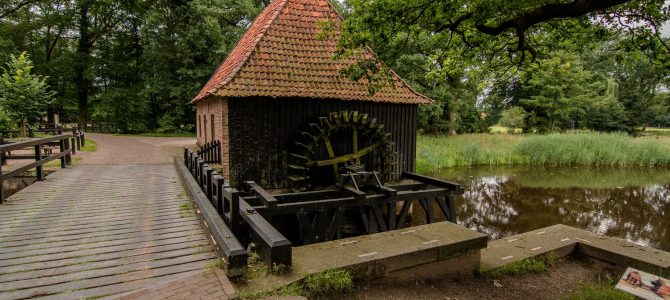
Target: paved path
{"type": "Point", "coordinates": [118, 222]}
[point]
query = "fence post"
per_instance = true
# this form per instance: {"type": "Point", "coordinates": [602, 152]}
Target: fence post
{"type": "Point", "coordinates": [186, 156]}
{"type": "Point", "coordinates": [68, 157]}
{"type": "Point", "coordinates": [201, 165]}
{"type": "Point", "coordinates": [235, 211]}
{"type": "Point", "coordinates": [221, 204]}
{"type": "Point", "coordinates": [77, 140]}
{"type": "Point", "coordinates": [61, 146]}
{"type": "Point", "coordinates": [83, 139]}
{"type": "Point", "coordinates": [208, 176]}
{"type": "Point", "coordinates": [38, 157]}
{"type": "Point", "coordinates": [74, 149]}
{"type": "Point", "coordinates": [2, 190]}
{"type": "Point", "coordinates": [31, 133]}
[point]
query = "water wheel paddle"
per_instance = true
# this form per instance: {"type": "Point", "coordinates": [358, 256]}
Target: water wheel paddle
{"type": "Point", "coordinates": [331, 143]}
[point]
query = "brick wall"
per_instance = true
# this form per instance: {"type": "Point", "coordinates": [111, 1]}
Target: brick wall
{"type": "Point", "coordinates": [214, 108]}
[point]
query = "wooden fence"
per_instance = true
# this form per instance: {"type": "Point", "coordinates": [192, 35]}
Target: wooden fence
{"type": "Point", "coordinates": [65, 143]}
{"type": "Point", "coordinates": [211, 152]}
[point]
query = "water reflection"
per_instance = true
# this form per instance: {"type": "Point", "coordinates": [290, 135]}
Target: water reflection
{"type": "Point", "coordinates": [629, 203]}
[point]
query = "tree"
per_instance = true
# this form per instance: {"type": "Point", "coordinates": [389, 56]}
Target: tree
{"type": "Point", "coordinates": [22, 94]}
{"type": "Point", "coordinates": [512, 30]}
{"type": "Point", "coordinates": [558, 92]}
{"type": "Point", "coordinates": [513, 118]}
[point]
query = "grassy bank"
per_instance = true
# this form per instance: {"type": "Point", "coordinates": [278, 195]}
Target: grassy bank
{"type": "Point", "coordinates": [586, 148]}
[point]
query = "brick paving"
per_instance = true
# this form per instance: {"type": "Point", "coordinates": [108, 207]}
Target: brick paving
{"type": "Point", "coordinates": [106, 228]}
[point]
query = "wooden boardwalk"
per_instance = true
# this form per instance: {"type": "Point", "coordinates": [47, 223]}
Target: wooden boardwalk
{"type": "Point", "coordinates": [99, 230]}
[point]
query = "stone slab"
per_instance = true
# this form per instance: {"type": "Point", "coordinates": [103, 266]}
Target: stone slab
{"type": "Point", "coordinates": [382, 254]}
{"type": "Point", "coordinates": [564, 240]}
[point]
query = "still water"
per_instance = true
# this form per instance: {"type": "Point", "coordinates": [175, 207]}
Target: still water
{"type": "Point", "coordinates": [630, 203]}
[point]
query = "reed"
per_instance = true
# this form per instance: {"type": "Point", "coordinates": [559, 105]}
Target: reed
{"type": "Point", "coordinates": [580, 148]}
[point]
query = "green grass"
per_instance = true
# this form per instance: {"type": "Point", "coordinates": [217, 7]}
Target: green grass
{"type": "Point", "coordinates": [580, 148]}
{"type": "Point", "coordinates": [598, 291]}
{"type": "Point", "coordinates": [89, 146]}
{"type": "Point", "coordinates": [523, 267]}
{"type": "Point", "coordinates": [327, 283]}
{"type": "Point", "coordinates": [502, 129]}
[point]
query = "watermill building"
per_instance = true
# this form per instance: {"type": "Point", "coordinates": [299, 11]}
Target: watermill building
{"type": "Point", "coordinates": [287, 117]}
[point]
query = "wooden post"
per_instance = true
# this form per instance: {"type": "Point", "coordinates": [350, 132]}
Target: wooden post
{"type": "Point", "coordinates": [68, 157]}
{"type": "Point", "coordinates": [77, 140]}
{"type": "Point", "coordinates": [83, 139]}
{"type": "Point", "coordinates": [235, 212]}
{"type": "Point", "coordinates": [2, 190]}
{"type": "Point", "coordinates": [38, 157]}
{"type": "Point", "coordinates": [221, 204]}
{"type": "Point", "coordinates": [74, 149]}
{"type": "Point", "coordinates": [3, 158]}
{"type": "Point", "coordinates": [208, 176]}
{"type": "Point", "coordinates": [61, 146]}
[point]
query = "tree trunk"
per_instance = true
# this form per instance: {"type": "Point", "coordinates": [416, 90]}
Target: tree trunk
{"type": "Point", "coordinates": [82, 82]}
{"type": "Point", "coordinates": [452, 122]}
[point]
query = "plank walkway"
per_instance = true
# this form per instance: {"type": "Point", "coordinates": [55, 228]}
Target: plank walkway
{"type": "Point", "coordinates": [94, 231]}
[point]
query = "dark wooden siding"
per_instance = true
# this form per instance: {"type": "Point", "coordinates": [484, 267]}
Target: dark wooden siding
{"type": "Point", "coordinates": [262, 128]}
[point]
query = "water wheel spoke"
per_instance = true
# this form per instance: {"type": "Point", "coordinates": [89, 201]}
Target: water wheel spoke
{"type": "Point", "coordinates": [331, 155]}
{"type": "Point", "coordinates": [343, 158]}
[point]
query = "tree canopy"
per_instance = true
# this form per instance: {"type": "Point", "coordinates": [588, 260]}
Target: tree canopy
{"type": "Point", "coordinates": [558, 64]}
{"type": "Point", "coordinates": [550, 57]}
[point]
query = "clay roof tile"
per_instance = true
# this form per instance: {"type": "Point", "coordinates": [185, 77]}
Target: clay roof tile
{"type": "Point", "coordinates": [280, 55]}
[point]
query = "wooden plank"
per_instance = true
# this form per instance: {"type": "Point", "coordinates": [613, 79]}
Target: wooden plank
{"type": "Point", "coordinates": [49, 246]}
{"type": "Point", "coordinates": [73, 204]}
{"type": "Point", "coordinates": [51, 223]}
{"type": "Point", "coordinates": [157, 247]}
{"type": "Point", "coordinates": [100, 226]}
{"type": "Point", "coordinates": [115, 289]}
{"type": "Point", "coordinates": [113, 224]}
{"type": "Point", "coordinates": [103, 281]}
{"type": "Point", "coordinates": [111, 271]}
{"type": "Point", "coordinates": [110, 237]}
{"type": "Point", "coordinates": [28, 217]}
{"type": "Point", "coordinates": [141, 242]}
{"type": "Point", "coordinates": [28, 274]}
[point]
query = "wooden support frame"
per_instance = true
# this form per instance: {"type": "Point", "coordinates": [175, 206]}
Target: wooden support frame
{"type": "Point", "coordinates": [247, 213]}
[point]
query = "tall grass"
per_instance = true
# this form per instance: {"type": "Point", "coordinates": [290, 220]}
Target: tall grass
{"type": "Point", "coordinates": [583, 148]}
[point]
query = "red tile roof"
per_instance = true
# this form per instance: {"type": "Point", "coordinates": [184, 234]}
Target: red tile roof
{"type": "Point", "coordinates": [281, 55]}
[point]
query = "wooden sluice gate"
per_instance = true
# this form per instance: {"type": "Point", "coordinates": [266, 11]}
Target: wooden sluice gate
{"type": "Point", "coordinates": [358, 205]}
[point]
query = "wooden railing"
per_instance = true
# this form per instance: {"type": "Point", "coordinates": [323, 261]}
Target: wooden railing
{"type": "Point", "coordinates": [65, 155]}
{"type": "Point", "coordinates": [76, 133]}
{"type": "Point", "coordinates": [211, 152]}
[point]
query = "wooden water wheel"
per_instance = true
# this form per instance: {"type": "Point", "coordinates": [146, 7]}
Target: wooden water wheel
{"type": "Point", "coordinates": [322, 149]}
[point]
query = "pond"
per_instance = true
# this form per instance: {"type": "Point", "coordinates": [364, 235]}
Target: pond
{"type": "Point", "coordinates": [630, 203]}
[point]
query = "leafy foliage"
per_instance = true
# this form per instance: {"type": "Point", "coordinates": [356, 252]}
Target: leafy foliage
{"type": "Point", "coordinates": [137, 62]}
{"type": "Point", "coordinates": [22, 94]}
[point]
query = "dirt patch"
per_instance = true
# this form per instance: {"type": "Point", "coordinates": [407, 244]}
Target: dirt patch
{"type": "Point", "coordinates": [556, 282]}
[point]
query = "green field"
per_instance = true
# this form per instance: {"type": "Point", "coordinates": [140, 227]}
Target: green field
{"type": "Point", "coordinates": [580, 148]}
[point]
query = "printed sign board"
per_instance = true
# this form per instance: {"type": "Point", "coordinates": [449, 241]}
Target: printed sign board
{"type": "Point", "coordinates": [644, 285]}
